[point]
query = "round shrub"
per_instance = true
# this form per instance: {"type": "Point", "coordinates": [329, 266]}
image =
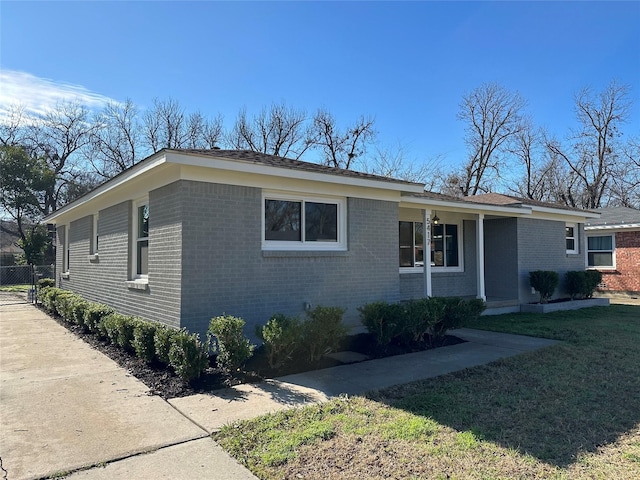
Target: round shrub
{"type": "Point", "coordinates": [230, 345]}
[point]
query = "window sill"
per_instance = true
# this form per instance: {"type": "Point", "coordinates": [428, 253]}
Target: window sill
{"type": "Point", "coordinates": [139, 284]}
{"type": "Point", "coordinates": [94, 257]}
{"type": "Point", "coordinates": [65, 275]}
{"type": "Point", "coordinates": [304, 253]}
{"type": "Point", "coordinates": [434, 270]}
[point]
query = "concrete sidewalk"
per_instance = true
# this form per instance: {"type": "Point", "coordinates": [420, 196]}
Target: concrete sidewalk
{"type": "Point", "coordinates": [65, 407]}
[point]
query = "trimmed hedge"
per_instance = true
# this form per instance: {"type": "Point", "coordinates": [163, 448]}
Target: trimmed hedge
{"type": "Point", "coordinates": [582, 284]}
{"type": "Point", "coordinates": [544, 282]}
{"type": "Point", "coordinates": [322, 331]}
{"type": "Point", "coordinates": [183, 352]}
{"type": "Point", "coordinates": [426, 319]}
{"type": "Point", "coordinates": [281, 337]}
{"type": "Point", "coordinates": [230, 345]}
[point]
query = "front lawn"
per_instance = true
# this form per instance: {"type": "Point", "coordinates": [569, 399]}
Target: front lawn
{"type": "Point", "coordinates": [569, 411]}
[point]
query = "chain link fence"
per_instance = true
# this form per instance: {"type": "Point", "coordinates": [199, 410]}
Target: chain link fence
{"type": "Point", "coordinates": [18, 282]}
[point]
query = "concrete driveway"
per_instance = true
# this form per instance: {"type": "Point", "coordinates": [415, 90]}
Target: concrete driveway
{"type": "Point", "coordinates": [65, 406]}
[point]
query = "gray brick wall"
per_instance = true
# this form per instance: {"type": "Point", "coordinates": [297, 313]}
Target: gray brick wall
{"type": "Point", "coordinates": [447, 283]}
{"type": "Point", "coordinates": [226, 271]}
{"type": "Point", "coordinates": [501, 258]}
{"type": "Point", "coordinates": [103, 280]}
{"type": "Point", "coordinates": [542, 246]}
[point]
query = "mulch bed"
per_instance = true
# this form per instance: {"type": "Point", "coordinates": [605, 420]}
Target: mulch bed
{"type": "Point", "coordinates": [163, 382]}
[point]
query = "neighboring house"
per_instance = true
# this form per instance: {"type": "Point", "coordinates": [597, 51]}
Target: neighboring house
{"type": "Point", "coordinates": [186, 235]}
{"type": "Point", "coordinates": [613, 248]}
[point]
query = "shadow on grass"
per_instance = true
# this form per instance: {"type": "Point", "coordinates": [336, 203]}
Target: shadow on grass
{"type": "Point", "coordinates": [552, 404]}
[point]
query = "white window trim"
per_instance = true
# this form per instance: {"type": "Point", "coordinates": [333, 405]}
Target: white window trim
{"type": "Point", "coordinates": [434, 268]}
{"type": "Point", "coordinates": [613, 252]}
{"type": "Point", "coordinates": [66, 253]}
{"type": "Point", "coordinates": [274, 245]}
{"type": "Point", "coordinates": [576, 229]}
{"type": "Point", "coordinates": [135, 276]}
{"type": "Point", "coordinates": [93, 255]}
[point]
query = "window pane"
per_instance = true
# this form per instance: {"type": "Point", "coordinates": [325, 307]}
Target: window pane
{"type": "Point", "coordinates": [571, 244]}
{"type": "Point", "coordinates": [143, 221]}
{"type": "Point", "coordinates": [569, 231]}
{"type": "Point", "coordinates": [282, 220]}
{"type": "Point", "coordinates": [600, 243]}
{"type": "Point", "coordinates": [143, 257]}
{"type": "Point", "coordinates": [600, 259]}
{"type": "Point", "coordinates": [419, 244]}
{"type": "Point", "coordinates": [437, 246]}
{"type": "Point", "coordinates": [406, 244]}
{"type": "Point", "coordinates": [321, 222]}
{"type": "Point", "coordinates": [452, 245]}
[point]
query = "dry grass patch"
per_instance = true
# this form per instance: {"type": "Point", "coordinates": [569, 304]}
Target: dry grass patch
{"type": "Point", "coordinates": [571, 411]}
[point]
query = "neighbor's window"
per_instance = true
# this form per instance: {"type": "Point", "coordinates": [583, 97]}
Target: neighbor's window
{"type": "Point", "coordinates": [142, 239]}
{"type": "Point", "coordinates": [571, 230]}
{"type": "Point", "coordinates": [411, 244]}
{"type": "Point", "coordinates": [445, 245]}
{"type": "Point", "coordinates": [303, 224]}
{"type": "Point", "coordinates": [600, 251]}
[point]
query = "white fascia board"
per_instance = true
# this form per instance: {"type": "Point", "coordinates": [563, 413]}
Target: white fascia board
{"type": "Point", "coordinates": [117, 182]}
{"type": "Point", "coordinates": [283, 172]}
{"type": "Point", "coordinates": [583, 214]}
{"type": "Point", "coordinates": [626, 226]}
{"type": "Point", "coordinates": [464, 207]}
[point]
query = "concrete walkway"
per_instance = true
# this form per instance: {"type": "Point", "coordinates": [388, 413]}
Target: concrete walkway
{"type": "Point", "coordinates": [65, 407]}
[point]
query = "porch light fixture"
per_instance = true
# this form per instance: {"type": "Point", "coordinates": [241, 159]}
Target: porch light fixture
{"type": "Point", "coordinates": [435, 219]}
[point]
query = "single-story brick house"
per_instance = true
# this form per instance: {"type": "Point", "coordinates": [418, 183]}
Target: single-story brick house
{"type": "Point", "coordinates": [185, 235]}
{"type": "Point", "coordinates": [613, 248]}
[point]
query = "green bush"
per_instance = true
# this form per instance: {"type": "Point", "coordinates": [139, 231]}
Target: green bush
{"type": "Point", "coordinates": [232, 348]}
{"type": "Point", "coordinates": [162, 342]}
{"type": "Point", "coordinates": [419, 318]}
{"type": "Point", "coordinates": [125, 326]}
{"type": "Point", "coordinates": [63, 304]}
{"type": "Point", "coordinates": [575, 283]}
{"type": "Point", "coordinates": [48, 298]}
{"type": "Point", "coordinates": [281, 336]}
{"type": "Point", "coordinates": [593, 278]}
{"type": "Point", "coordinates": [187, 355]}
{"type": "Point", "coordinates": [457, 312]}
{"type": "Point", "coordinates": [143, 340]}
{"type": "Point", "coordinates": [46, 283]}
{"type": "Point", "coordinates": [545, 282]}
{"type": "Point", "coordinates": [78, 309]}
{"type": "Point", "coordinates": [322, 331]}
{"type": "Point", "coordinates": [109, 327]}
{"type": "Point", "coordinates": [93, 316]}
{"type": "Point", "coordinates": [383, 320]}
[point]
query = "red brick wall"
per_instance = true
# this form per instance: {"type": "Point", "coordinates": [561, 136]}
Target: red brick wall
{"type": "Point", "coordinates": [626, 276]}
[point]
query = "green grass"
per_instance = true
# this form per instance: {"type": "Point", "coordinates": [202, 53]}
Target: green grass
{"type": "Point", "coordinates": [15, 288]}
{"type": "Point", "coordinates": [565, 412]}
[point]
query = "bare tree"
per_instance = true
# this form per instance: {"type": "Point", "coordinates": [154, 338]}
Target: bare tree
{"type": "Point", "coordinates": [392, 163]}
{"type": "Point", "coordinates": [280, 130]}
{"type": "Point", "coordinates": [164, 125]}
{"type": "Point", "coordinates": [625, 182]}
{"type": "Point", "coordinates": [341, 147]}
{"type": "Point", "coordinates": [493, 115]}
{"type": "Point", "coordinates": [12, 126]}
{"type": "Point", "coordinates": [58, 137]}
{"type": "Point", "coordinates": [116, 142]}
{"type": "Point", "coordinates": [593, 153]}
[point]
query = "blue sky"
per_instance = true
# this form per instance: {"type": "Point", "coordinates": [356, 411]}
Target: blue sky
{"type": "Point", "coordinates": [408, 64]}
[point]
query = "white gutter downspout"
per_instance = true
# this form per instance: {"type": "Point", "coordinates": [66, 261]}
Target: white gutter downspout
{"type": "Point", "coordinates": [426, 255]}
{"type": "Point", "coordinates": [480, 254]}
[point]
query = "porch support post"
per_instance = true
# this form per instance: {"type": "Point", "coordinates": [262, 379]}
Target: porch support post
{"type": "Point", "coordinates": [426, 255]}
{"type": "Point", "coordinates": [480, 256]}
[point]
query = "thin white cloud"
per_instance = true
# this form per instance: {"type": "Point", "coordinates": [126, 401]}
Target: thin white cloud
{"type": "Point", "coordinates": [39, 95]}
